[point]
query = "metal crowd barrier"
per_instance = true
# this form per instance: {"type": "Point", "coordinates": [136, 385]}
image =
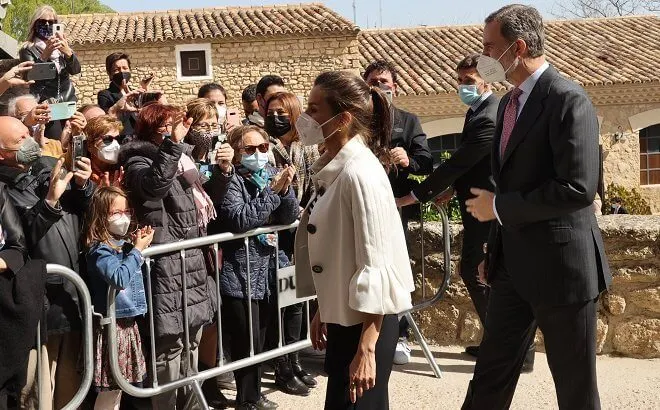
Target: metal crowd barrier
{"type": "Point", "coordinates": [194, 381]}
{"type": "Point", "coordinates": [87, 342]}
{"type": "Point", "coordinates": [425, 303]}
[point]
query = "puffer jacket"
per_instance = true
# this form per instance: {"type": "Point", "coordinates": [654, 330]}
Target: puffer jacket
{"type": "Point", "coordinates": [51, 234]}
{"type": "Point", "coordinates": [241, 209]}
{"type": "Point", "coordinates": [165, 201]}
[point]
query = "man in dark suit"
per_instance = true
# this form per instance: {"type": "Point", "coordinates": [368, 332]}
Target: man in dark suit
{"type": "Point", "coordinates": [411, 155]}
{"type": "Point", "coordinates": [545, 257]}
{"type": "Point", "coordinates": [468, 167]}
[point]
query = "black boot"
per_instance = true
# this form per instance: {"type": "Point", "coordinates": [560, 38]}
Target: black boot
{"type": "Point", "coordinates": [286, 380]}
{"type": "Point", "coordinates": [300, 372]}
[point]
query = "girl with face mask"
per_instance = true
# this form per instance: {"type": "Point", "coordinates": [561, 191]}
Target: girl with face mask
{"type": "Point", "coordinates": [102, 142]}
{"type": "Point", "coordinates": [256, 196]}
{"type": "Point", "coordinates": [114, 260]}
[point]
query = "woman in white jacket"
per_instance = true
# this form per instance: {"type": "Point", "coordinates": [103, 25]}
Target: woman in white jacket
{"type": "Point", "coordinates": [350, 246]}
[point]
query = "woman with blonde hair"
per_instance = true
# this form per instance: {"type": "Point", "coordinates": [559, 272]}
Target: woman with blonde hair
{"type": "Point", "coordinates": [42, 46]}
{"type": "Point", "coordinates": [205, 128]}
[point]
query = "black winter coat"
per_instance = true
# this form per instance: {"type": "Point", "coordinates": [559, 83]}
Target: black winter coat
{"type": "Point", "coordinates": [52, 234]}
{"type": "Point", "coordinates": [241, 209]}
{"type": "Point", "coordinates": [165, 201]}
{"type": "Point", "coordinates": [49, 88]}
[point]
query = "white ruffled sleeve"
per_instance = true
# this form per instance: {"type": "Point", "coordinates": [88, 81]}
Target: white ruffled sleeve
{"type": "Point", "coordinates": [383, 279]}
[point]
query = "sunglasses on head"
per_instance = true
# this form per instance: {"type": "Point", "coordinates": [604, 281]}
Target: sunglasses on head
{"type": "Point", "coordinates": [251, 149]}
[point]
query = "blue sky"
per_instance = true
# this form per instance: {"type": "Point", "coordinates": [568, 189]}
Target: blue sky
{"type": "Point", "coordinates": [396, 13]}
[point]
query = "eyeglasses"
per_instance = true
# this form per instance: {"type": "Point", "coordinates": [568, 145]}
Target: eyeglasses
{"type": "Point", "coordinates": [206, 127]}
{"type": "Point", "coordinates": [251, 149]}
{"type": "Point", "coordinates": [44, 21]}
{"type": "Point", "coordinates": [165, 127]}
{"type": "Point", "coordinates": [118, 213]}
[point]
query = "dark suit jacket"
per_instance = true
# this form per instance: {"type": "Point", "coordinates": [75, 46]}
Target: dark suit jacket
{"type": "Point", "coordinates": [407, 133]}
{"type": "Point", "coordinates": [549, 240]}
{"type": "Point", "coordinates": [470, 165]}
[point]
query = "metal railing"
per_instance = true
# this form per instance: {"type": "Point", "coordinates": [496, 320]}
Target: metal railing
{"type": "Point", "coordinates": [87, 342]}
{"type": "Point", "coordinates": [194, 380]}
{"type": "Point", "coordinates": [425, 303]}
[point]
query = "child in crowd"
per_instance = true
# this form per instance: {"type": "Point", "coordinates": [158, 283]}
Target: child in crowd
{"type": "Point", "coordinates": [113, 261]}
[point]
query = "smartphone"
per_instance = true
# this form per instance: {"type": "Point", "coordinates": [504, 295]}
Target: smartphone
{"type": "Point", "coordinates": [221, 139]}
{"type": "Point", "coordinates": [62, 111]}
{"type": "Point", "coordinates": [233, 118]}
{"type": "Point", "coordinates": [42, 71]}
{"type": "Point", "coordinates": [76, 150]}
{"type": "Point", "coordinates": [147, 97]}
{"type": "Point", "coordinates": [58, 28]}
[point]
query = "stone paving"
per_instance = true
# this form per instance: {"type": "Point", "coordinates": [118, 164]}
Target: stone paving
{"type": "Point", "coordinates": [624, 383]}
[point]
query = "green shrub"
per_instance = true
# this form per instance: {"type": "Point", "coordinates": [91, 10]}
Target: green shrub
{"type": "Point", "coordinates": [634, 203]}
{"type": "Point", "coordinates": [430, 213]}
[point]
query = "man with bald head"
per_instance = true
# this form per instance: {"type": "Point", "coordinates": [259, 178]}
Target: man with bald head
{"type": "Point", "coordinates": [51, 202]}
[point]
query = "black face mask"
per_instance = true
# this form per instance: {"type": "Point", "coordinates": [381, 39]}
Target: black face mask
{"type": "Point", "coordinates": [119, 77]}
{"type": "Point", "coordinates": [277, 125]}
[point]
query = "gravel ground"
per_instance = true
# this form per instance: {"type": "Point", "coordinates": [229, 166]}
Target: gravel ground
{"type": "Point", "coordinates": [624, 384]}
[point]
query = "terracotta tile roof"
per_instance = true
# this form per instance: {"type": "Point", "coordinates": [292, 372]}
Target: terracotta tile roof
{"type": "Point", "coordinates": [593, 52]}
{"type": "Point", "coordinates": [304, 19]}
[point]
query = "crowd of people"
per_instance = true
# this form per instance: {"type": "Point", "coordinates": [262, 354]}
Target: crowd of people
{"type": "Point", "coordinates": [94, 190]}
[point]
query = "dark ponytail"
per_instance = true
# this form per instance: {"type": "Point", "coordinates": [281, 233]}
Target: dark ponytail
{"type": "Point", "coordinates": [381, 127]}
{"type": "Point", "coordinates": [372, 119]}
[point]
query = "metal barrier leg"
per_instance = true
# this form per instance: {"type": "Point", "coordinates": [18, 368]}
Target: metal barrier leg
{"type": "Point", "coordinates": [424, 345]}
{"type": "Point", "coordinates": [196, 394]}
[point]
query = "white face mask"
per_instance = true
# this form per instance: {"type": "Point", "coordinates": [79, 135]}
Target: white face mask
{"type": "Point", "coordinates": [491, 70]}
{"type": "Point", "coordinates": [222, 113]}
{"type": "Point", "coordinates": [310, 132]}
{"type": "Point", "coordinates": [118, 225]}
{"type": "Point", "coordinates": [110, 153]}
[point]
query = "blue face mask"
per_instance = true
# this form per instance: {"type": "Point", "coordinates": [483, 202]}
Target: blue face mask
{"type": "Point", "coordinates": [469, 94]}
{"type": "Point", "coordinates": [255, 162]}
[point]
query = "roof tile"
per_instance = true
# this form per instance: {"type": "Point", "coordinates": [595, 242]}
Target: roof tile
{"type": "Point", "coordinates": [591, 51]}
{"type": "Point", "coordinates": [308, 19]}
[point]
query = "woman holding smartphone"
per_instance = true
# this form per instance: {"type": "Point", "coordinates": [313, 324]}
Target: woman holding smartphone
{"type": "Point", "coordinates": [43, 45]}
{"type": "Point", "coordinates": [350, 247]}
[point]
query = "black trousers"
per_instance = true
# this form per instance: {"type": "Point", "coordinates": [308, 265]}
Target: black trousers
{"type": "Point", "coordinates": [475, 234]}
{"type": "Point", "coordinates": [342, 345]}
{"type": "Point", "coordinates": [570, 341]}
{"type": "Point", "coordinates": [235, 323]}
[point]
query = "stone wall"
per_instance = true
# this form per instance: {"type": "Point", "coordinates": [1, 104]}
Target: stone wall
{"type": "Point", "coordinates": [236, 64]}
{"type": "Point", "coordinates": [621, 150]}
{"type": "Point", "coordinates": [629, 314]}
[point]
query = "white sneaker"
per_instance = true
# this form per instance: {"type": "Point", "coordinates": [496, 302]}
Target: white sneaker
{"type": "Point", "coordinates": [402, 353]}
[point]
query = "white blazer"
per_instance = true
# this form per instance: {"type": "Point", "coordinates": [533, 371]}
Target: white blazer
{"type": "Point", "coordinates": [350, 246]}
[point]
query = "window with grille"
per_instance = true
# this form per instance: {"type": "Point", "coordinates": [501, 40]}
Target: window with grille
{"type": "Point", "coordinates": [443, 146]}
{"type": "Point", "coordinates": [649, 155]}
{"type": "Point", "coordinates": [193, 62]}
